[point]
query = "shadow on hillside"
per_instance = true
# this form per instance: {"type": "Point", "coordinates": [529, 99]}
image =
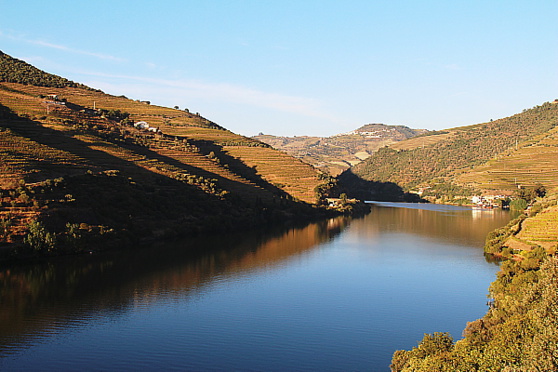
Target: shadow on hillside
{"type": "Point", "coordinates": [356, 187]}
{"type": "Point", "coordinates": [97, 160]}
{"type": "Point", "coordinates": [236, 165]}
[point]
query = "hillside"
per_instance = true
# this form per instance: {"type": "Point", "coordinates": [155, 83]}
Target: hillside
{"type": "Point", "coordinates": [336, 153]}
{"type": "Point", "coordinates": [13, 70]}
{"type": "Point", "coordinates": [76, 167]}
{"type": "Point", "coordinates": [490, 158]}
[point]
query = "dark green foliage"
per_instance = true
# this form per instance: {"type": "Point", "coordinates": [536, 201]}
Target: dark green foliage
{"type": "Point", "coordinates": [446, 190]}
{"type": "Point", "coordinates": [433, 133]}
{"type": "Point", "coordinates": [13, 70]}
{"type": "Point", "coordinates": [73, 237]}
{"type": "Point", "coordinates": [326, 189]}
{"type": "Point", "coordinates": [247, 143]}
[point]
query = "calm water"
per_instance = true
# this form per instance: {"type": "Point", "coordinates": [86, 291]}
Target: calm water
{"type": "Point", "coordinates": [334, 296]}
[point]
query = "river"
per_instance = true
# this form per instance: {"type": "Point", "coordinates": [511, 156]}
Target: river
{"type": "Point", "coordinates": [337, 295]}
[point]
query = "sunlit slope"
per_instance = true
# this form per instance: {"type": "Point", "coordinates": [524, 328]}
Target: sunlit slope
{"type": "Point", "coordinates": [203, 137]}
{"type": "Point", "coordinates": [193, 169]}
{"type": "Point", "coordinates": [498, 155]}
{"type": "Point", "coordinates": [538, 226]}
{"type": "Point", "coordinates": [72, 159]}
{"type": "Point", "coordinates": [531, 162]}
{"type": "Point", "coordinates": [541, 229]}
{"type": "Point", "coordinates": [336, 153]}
{"type": "Point", "coordinates": [423, 140]}
{"type": "Point", "coordinates": [295, 177]}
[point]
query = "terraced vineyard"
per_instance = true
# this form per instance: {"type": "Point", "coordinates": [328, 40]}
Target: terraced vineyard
{"type": "Point", "coordinates": [495, 157]}
{"type": "Point", "coordinates": [533, 162]}
{"type": "Point", "coordinates": [187, 138]}
{"type": "Point", "coordinates": [293, 176]}
{"type": "Point", "coordinates": [204, 135]}
{"type": "Point", "coordinates": [72, 159]}
{"type": "Point", "coordinates": [542, 229]}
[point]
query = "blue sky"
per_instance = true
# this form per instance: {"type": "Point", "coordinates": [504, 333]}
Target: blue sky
{"type": "Point", "coordinates": [300, 67]}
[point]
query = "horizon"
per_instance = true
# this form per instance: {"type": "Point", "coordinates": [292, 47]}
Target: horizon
{"type": "Point", "coordinates": [301, 69]}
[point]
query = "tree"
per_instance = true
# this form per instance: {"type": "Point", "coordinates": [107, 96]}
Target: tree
{"type": "Point", "coordinates": [518, 204]}
{"type": "Point", "coordinates": [5, 224]}
{"type": "Point", "coordinates": [39, 239]}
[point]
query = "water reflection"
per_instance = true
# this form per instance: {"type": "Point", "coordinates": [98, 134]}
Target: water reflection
{"type": "Point", "coordinates": [38, 300]}
{"type": "Point", "coordinates": [459, 225]}
{"type": "Point", "coordinates": [335, 295]}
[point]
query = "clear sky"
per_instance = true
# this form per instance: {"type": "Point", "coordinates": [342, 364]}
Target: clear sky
{"type": "Point", "coordinates": [300, 67]}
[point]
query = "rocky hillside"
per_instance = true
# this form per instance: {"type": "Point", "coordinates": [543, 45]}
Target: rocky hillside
{"type": "Point", "coordinates": [79, 166]}
{"type": "Point", "coordinates": [337, 153]}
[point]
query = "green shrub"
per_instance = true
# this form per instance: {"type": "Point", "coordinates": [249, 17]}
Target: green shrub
{"type": "Point", "coordinates": [39, 239]}
{"type": "Point", "coordinates": [5, 224]}
{"type": "Point", "coordinates": [518, 204]}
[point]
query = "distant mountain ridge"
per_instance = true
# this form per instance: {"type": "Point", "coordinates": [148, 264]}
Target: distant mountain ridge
{"type": "Point", "coordinates": [341, 151]}
{"type": "Point", "coordinates": [376, 130]}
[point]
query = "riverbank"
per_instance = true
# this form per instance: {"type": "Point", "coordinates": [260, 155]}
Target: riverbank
{"type": "Point", "coordinates": [519, 331]}
{"type": "Point", "coordinates": [322, 294]}
{"type": "Point", "coordinates": [41, 242]}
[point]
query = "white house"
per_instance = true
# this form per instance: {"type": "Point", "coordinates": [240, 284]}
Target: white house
{"type": "Point", "coordinates": [141, 125]}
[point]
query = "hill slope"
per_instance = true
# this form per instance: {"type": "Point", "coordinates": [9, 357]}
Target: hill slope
{"type": "Point", "coordinates": [493, 157]}
{"type": "Point", "coordinates": [337, 153]}
{"type": "Point", "coordinates": [73, 160]}
{"type": "Point", "coordinates": [13, 70]}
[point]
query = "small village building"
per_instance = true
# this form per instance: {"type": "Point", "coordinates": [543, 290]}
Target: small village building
{"type": "Point", "coordinates": [141, 125]}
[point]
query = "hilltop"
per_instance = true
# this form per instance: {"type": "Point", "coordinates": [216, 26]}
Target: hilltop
{"type": "Point", "coordinates": [13, 70]}
{"type": "Point", "coordinates": [339, 152]}
{"type": "Point", "coordinates": [495, 157]}
{"type": "Point", "coordinates": [79, 167]}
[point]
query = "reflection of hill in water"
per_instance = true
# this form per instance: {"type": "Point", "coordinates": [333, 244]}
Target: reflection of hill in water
{"type": "Point", "coordinates": [44, 298]}
{"type": "Point", "coordinates": [451, 224]}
